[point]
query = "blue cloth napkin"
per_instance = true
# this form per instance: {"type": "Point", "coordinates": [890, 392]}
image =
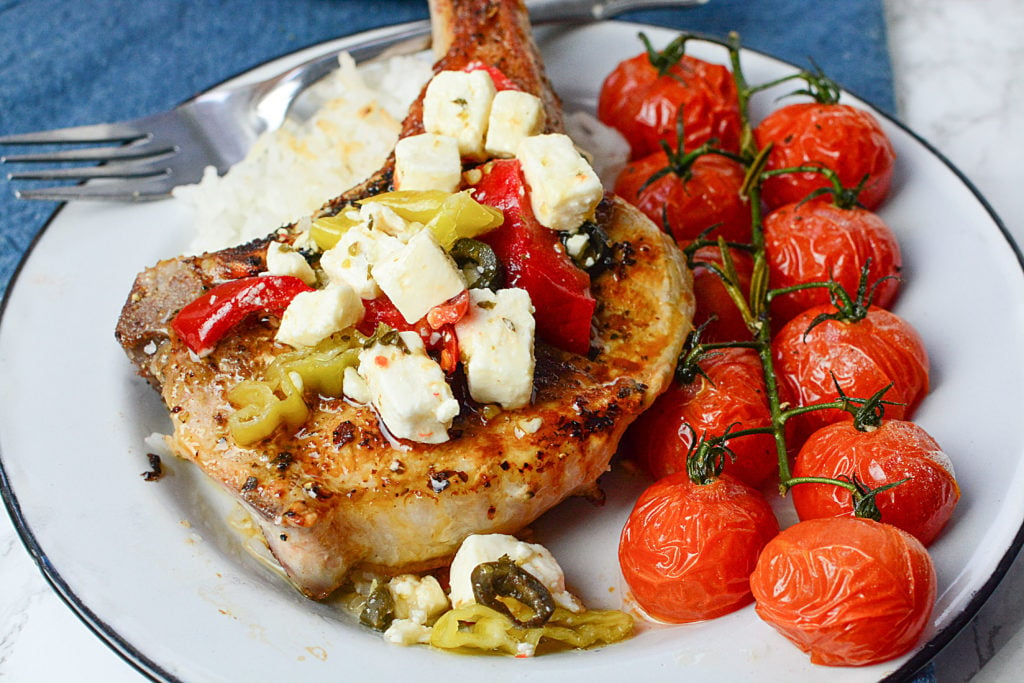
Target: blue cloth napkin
{"type": "Point", "coordinates": [66, 63]}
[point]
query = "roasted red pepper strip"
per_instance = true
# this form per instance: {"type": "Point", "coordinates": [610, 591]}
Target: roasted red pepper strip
{"type": "Point", "coordinates": [501, 81]}
{"type": "Point", "coordinates": [450, 312]}
{"type": "Point", "coordinates": [535, 260]}
{"type": "Point", "coordinates": [205, 321]}
{"type": "Point", "coordinates": [436, 328]}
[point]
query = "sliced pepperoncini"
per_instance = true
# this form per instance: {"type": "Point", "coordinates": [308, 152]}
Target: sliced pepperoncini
{"type": "Point", "coordinates": [448, 216]}
{"type": "Point", "coordinates": [327, 230]}
{"type": "Point", "coordinates": [263, 406]}
{"type": "Point", "coordinates": [261, 410]}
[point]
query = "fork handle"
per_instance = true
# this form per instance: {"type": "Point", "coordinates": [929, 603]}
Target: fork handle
{"type": "Point", "coordinates": [544, 11]}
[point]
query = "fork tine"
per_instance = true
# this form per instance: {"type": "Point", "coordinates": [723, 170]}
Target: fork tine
{"type": "Point", "coordinates": [91, 154]}
{"type": "Point", "coordinates": [99, 132]}
{"type": "Point", "coordinates": [87, 172]}
{"type": "Point", "coordinates": [147, 189]}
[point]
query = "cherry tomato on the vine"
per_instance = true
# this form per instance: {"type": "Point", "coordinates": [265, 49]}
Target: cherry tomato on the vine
{"type": "Point", "coordinates": [687, 549]}
{"type": "Point", "coordinates": [846, 139]}
{"type": "Point", "coordinates": [863, 356]}
{"type": "Point", "coordinates": [730, 395]}
{"type": "Point", "coordinates": [817, 241]}
{"type": "Point", "coordinates": [643, 103]}
{"type": "Point", "coordinates": [713, 300]}
{"type": "Point", "coordinates": [706, 195]}
{"type": "Point", "coordinates": [894, 451]}
{"type": "Point", "coordinates": [849, 591]}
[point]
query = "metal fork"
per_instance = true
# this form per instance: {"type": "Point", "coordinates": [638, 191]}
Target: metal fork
{"type": "Point", "coordinates": [152, 155]}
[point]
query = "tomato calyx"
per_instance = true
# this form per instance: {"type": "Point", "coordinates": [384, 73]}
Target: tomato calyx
{"type": "Point", "coordinates": [664, 60]}
{"type": "Point", "coordinates": [849, 309]}
{"type": "Point", "coordinates": [863, 497]}
{"type": "Point", "coordinates": [820, 87]}
{"type": "Point", "coordinates": [679, 162]}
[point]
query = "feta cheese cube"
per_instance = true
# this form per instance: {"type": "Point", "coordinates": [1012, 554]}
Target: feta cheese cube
{"type": "Point", "coordinates": [428, 162]}
{"type": "Point", "coordinates": [282, 259]}
{"type": "Point", "coordinates": [354, 386]}
{"type": "Point", "coordinates": [514, 116]}
{"type": "Point", "coordinates": [419, 276]}
{"type": "Point", "coordinates": [458, 104]}
{"type": "Point", "coordinates": [382, 218]}
{"type": "Point", "coordinates": [313, 316]}
{"type": "Point", "coordinates": [564, 189]}
{"type": "Point", "coordinates": [419, 599]}
{"type": "Point", "coordinates": [408, 389]}
{"type": "Point", "coordinates": [531, 557]}
{"type": "Point", "coordinates": [496, 346]}
{"type": "Point", "coordinates": [351, 260]}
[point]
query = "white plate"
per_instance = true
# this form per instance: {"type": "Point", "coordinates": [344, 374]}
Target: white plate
{"type": "Point", "coordinates": [154, 569]}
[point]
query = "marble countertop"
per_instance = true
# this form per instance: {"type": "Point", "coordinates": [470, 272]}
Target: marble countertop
{"type": "Point", "coordinates": [958, 85]}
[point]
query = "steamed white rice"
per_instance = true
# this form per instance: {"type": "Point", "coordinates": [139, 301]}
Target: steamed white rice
{"type": "Point", "coordinates": [291, 172]}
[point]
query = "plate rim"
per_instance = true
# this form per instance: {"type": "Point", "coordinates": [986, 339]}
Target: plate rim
{"type": "Point", "coordinates": [134, 656]}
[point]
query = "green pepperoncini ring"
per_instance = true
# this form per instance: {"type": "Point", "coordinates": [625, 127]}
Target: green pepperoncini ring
{"type": "Point", "coordinates": [505, 579]}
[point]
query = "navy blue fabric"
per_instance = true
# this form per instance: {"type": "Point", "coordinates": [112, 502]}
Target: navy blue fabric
{"type": "Point", "coordinates": [68, 62]}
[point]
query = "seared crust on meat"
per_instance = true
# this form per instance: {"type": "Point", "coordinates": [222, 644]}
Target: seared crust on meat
{"type": "Point", "coordinates": [342, 493]}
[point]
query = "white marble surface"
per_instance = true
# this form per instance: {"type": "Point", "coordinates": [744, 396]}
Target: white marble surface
{"type": "Point", "coordinates": [959, 85]}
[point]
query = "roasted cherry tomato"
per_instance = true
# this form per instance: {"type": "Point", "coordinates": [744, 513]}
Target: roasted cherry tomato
{"type": "Point", "coordinates": [894, 451]}
{"type": "Point", "coordinates": [846, 139]}
{"type": "Point", "coordinates": [687, 549]}
{"type": "Point", "coordinates": [863, 356]}
{"type": "Point", "coordinates": [642, 97]}
{"type": "Point", "coordinates": [848, 591]}
{"type": "Point", "coordinates": [691, 198]}
{"type": "Point", "coordinates": [817, 241]}
{"type": "Point", "coordinates": [730, 394]}
{"type": "Point", "coordinates": [716, 311]}
{"type": "Point", "coordinates": [535, 260]}
{"type": "Point", "coordinates": [204, 322]}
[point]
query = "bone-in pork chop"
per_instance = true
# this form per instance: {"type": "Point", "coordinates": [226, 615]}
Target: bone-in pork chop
{"type": "Point", "coordinates": [341, 492]}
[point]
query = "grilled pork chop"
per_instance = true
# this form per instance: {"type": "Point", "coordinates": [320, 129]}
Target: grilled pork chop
{"type": "Point", "coordinates": [342, 493]}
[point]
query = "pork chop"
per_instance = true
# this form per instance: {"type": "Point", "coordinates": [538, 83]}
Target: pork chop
{"type": "Point", "coordinates": [342, 492]}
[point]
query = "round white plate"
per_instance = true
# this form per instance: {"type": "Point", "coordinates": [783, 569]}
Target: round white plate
{"type": "Point", "coordinates": [155, 569]}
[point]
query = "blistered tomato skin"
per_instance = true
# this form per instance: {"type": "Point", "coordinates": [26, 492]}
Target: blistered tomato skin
{"type": "Point", "coordinates": [708, 196]}
{"type": "Point", "coordinates": [848, 591]}
{"type": "Point", "coordinates": [894, 451]}
{"type": "Point", "coordinates": [846, 139]}
{"type": "Point", "coordinates": [716, 311]}
{"type": "Point", "coordinates": [643, 106]}
{"type": "Point", "coordinates": [863, 357]}
{"type": "Point", "coordinates": [687, 550]}
{"type": "Point", "coordinates": [732, 395]}
{"type": "Point", "coordinates": [818, 241]}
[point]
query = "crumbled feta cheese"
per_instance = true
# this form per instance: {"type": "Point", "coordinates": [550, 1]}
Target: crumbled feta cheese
{"type": "Point", "coordinates": [564, 190]}
{"type": "Point", "coordinates": [531, 557]}
{"type": "Point", "coordinates": [496, 346]}
{"type": "Point", "coordinates": [458, 104]}
{"type": "Point", "coordinates": [420, 599]}
{"type": "Point", "coordinates": [514, 115]}
{"type": "Point", "coordinates": [354, 386]}
{"type": "Point", "coordinates": [407, 632]}
{"type": "Point", "coordinates": [316, 315]}
{"type": "Point", "coordinates": [282, 259]}
{"type": "Point", "coordinates": [419, 276]}
{"type": "Point", "coordinates": [576, 244]}
{"type": "Point", "coordinates": [528, 426]}
{"type": "Point", "coordinates": [381, 217]}
{"type": "Point", "coordinates": [351, 260]}
{"type": "Point", "coordinates": [428, 162]}
{"type": "Point", "coordinates": [408, 389]}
